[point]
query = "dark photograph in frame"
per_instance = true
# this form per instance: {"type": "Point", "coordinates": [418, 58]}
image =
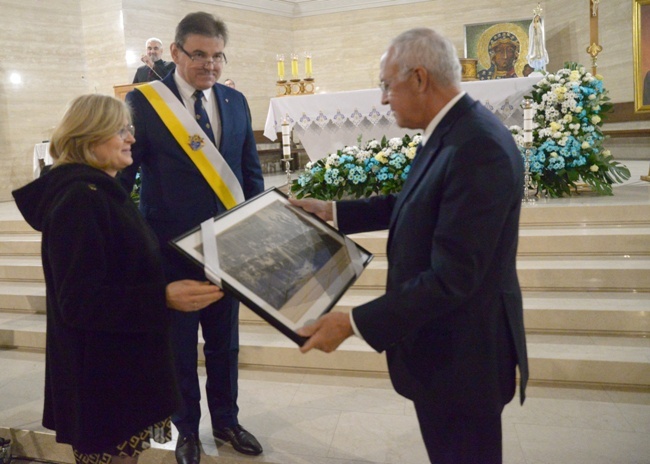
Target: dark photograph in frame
{"type": "Point", "coordinates": [286, 265]}
{"type": "Point", "coordinates": [641, 47]}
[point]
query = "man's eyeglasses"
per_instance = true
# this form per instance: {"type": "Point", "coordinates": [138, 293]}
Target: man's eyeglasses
{"type": "Point", "coordinates": [126, 130]}
{"type": "Point", "coordinates": [385, 86]}
{"type": "Point", "coordinates": [203, 60]}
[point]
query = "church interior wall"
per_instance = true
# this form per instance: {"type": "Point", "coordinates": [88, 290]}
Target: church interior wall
{"type": "Point", "coordinates": [66, 48]}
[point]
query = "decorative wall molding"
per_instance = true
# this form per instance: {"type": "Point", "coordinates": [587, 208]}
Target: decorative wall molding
{"type": "Point", "coordinates": [300, 8]}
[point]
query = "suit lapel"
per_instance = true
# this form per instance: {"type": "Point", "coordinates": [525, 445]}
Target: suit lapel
{"type": "Point", "coordinates": [422, 163]}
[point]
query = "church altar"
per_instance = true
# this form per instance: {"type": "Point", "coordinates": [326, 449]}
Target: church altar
{"type": "Point", "coordinates": [327, 122]}
{"type": "Point", "coordinates": [41, 157]}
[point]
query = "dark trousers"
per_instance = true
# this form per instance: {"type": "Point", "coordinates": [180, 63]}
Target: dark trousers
{"type": "Point", "coordinates": [456, 439]}
{"type": "Point", "coordinates": [220, 329]}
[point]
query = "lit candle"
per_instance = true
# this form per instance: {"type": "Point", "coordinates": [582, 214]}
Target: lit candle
{"type": "Point", "coordinates": [286, 139]}
{"type": "Point", "coordinates": [308, 69]}
{"type": "Point", "coordinates": [280, 59]}
{"type": "Point", "coordinates": [294, 66]}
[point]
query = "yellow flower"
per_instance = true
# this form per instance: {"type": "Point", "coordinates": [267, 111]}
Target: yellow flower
{"type": "Point", "coordinates": [585, 145]}
{"type": "Point", "coordinates": [575, 76]}
{"type": "Point", "coordinates": [410, 152]}
{"type": "Point", "coordinates": [381, 157]}
{"type": "Point", "coordinates": [595, 119]}
{"type": "Point", "coordinates": [593, 168]}
{"type": "Point", "coordinates": [554, 154]}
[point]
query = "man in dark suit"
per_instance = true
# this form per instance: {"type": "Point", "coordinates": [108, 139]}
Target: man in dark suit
{"type": "Point", "coordinates": [451, 320]}
{"type": "Point", "coordinates": [155, 68]}
{"type": "Point", "coordinates": [175, 197]}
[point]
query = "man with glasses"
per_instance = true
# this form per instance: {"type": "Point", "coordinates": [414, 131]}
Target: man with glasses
{"type": "Point", "coordinates": [451, 320]}
{"type": "Point", "coordinates": [155, 68]}
{"type": "Point", "coordinates": [198, 158]}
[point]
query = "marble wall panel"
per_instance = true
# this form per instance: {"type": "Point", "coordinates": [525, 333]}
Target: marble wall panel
{"type": "Point", "coordinates": [65, 48]}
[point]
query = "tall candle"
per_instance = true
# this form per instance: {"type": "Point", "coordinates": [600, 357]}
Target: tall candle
{"type": "Point", "coordinates": [294, 65]}
{"type": "Point", "coordinates": [286, 140]}
{"type": "Point", "coordinates": [280, 59]}
{"type": "Point", "coordinates": [528, 137]}
{"type": "Point", "coordinates": [308, 69]}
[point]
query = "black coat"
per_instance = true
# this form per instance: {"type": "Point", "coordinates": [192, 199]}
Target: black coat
{"type": "Point", "coordinates": [162, 68]}
{"type": "Point", "coordinates": [451, 321]}
{"type": "Point", "coordinates": [109, 367]}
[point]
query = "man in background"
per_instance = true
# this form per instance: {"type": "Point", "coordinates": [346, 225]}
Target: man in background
{"type": "Point", "coordinates": [230, 83]}
{"type": "Point", "coordinates": [185, 181]}
{"type": "Point", "coordinates": [451, 320]}
{"type": "Point", "coordinates": [155, 68]}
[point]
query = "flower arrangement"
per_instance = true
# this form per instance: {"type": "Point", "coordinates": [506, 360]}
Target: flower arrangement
{"type": "Point", "coordinates": [567, 137]}
{"type": "Point", "coordinates": [378, 167]}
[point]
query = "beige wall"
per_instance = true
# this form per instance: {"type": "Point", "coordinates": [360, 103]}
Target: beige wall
{"type": "Point", "coordinates": [69, 47]}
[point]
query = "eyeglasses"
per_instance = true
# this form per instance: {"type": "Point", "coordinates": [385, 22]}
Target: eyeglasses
{"type": "Point", "coordinates": [385, 86]}
{"type": "Point", "coordinates": [126, 130]}
{"type": "Point", "coordinates": [202, 60]}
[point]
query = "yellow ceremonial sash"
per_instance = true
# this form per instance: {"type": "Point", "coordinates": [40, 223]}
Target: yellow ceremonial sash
{"type": "Point", "coordinates": [200, 149]}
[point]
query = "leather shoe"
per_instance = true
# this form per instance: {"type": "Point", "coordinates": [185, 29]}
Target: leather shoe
{"type": "Point", "coordinates": [240, 439]}
{"type": "Point", "coordinates": [188, 449]}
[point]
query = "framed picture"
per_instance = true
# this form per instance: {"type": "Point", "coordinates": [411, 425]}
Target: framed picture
{"type": "Point", "coordinates": [509, 41]}
{"type": "Point", "coordinates": [288, 266]}
{"type": "Point", "coordinates": [641, 37]}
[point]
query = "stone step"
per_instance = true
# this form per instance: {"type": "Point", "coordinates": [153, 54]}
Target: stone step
{"type": "Point", "coordinates": [584, 210]}
{"type": "Point", "coordinates": [554, 358]}
{"type": "Point", "coordinates": [550, 312]}
{"type": "Point", "coordinates": [21, 268]}
{"type": "Point", "coordinates": [605, 313]}
{"type": "Point", "coordinates": [20, 244]}
{"type": "Point", "coordinates": [551, 240]}
{"type": "Point", "coordinates": [575, 273]}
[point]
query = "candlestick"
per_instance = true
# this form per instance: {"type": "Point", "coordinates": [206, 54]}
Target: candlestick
{"type": "Point", "coordinates": [294, 66]}
{"type": "Point", "coordinates": [308, 69]}
{"type": "Point", "coordinates": [280, 60]}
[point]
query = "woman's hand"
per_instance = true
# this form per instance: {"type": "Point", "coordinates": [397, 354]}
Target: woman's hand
{"type": "Point", "coordinates": [191, 295]}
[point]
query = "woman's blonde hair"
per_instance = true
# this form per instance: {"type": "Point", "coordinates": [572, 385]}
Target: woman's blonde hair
{"type": "Point", "coordinates": [89, 120]}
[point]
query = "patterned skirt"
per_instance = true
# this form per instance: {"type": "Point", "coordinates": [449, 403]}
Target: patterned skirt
{"type": "Point", "coordinates": [160, 432]}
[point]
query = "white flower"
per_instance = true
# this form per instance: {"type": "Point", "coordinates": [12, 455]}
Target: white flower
{"type": "Point", "coordinates": [595, 119]}
{"type": "Point", "coordinates": [373, 144]}
{"type": "Point", "coordinates": [593, 168]}
{"type": "Point", "coordinates": [554, 154]}
{"type": "Point", "coordinates": [585, 145]}
{"type": "Point", "coordinates": [395, 143]}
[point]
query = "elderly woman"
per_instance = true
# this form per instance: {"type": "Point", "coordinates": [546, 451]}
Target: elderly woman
{"type": "Point", "coordinates": [109, 378]}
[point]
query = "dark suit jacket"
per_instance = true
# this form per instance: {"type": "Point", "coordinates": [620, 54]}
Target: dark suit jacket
{"type": "Point", "coordinates": [161, 67]}
{"type": "Point", "coordinates": [451, 320]}
{"type": "Point", "coordinates": [174, 196]}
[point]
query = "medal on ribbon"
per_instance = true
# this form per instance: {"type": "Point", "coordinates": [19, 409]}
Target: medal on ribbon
{"type": "Point", "coordinates": [196, 142]}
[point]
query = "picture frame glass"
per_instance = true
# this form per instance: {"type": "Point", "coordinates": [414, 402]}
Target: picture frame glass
{"type": "Point", "coordinates": [286, 265]}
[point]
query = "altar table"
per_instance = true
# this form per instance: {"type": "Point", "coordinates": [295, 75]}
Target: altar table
{"type": "Point", "coordinates": [327, 122]}
{"type": "Point", "coordinates": [41, 155]}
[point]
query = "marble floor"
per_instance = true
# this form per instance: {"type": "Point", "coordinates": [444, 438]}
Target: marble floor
{"type": "Point", "coordinates": [309, 418]}
{"type": "Point", "coordinates": [303, 418]}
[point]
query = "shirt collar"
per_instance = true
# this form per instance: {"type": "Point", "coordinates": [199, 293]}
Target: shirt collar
{"type": "Point", "coordinates": [438, 117]}
{"type": "Point", "coordinates": [186, 90]}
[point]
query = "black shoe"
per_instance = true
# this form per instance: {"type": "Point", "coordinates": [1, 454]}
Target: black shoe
{"type": "Point", "coordinates": [188, 450]}
{"type": "Point", "coordinates": [240, 439]}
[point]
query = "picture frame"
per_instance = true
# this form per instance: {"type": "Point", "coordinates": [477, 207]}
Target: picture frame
{"type": "Point", "coordinates": [477, 41]}
{"type": "Point", "coordinates": [285, 264]}
{"type": "Point", "coordinates": [641, 47]}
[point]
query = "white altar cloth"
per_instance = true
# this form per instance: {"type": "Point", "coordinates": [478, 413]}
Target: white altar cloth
{"type": "Point", "coordinates": [327, 122]}
{"type": "Point", "coordinates": [41, 152]}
